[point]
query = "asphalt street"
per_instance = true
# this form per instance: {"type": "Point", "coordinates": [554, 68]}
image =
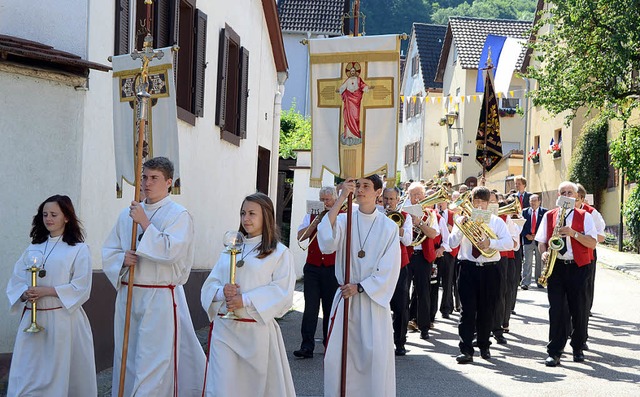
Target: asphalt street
{"type": "Point", "coordinates": [611, 368]}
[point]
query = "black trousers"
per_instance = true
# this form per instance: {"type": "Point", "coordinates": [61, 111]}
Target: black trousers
{"type": "Point", "coordinates": [320, 284]}
{"type": "Point", "coordinates": [479, 287]}
{"type": "Point", "coordinates": [502, 300]}
{"type": "Point", "coordinates": [446, 272]}
{"type": "Point", "coordinates": [456, 277]}
{"type": "Point", "coordinates": [567, 285]}
{"type": "Point", "coordinates": [400, 308]}
{"type": "Point", "coordinates": [419, 271]}
{"type": "Point", "coordinates": [518, 276]}
{"type": "Point", "coordinates": [434, 289]}
{"type": "Point", "coordinates": [511, 289]}
{"type": "Point", "coordinates": [592, 280]}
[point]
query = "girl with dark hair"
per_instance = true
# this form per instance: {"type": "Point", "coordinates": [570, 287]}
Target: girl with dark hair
{"type": "Point", "coordinates": [58, 360]}
{"type": "Point", "coordinates": [247, 355]}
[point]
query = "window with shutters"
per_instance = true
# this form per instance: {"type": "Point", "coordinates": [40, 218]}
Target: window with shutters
{"type": "Point", "coordinates": [173, 22]}
{"type": "Point", "coordinates": [415, 65]}
{"type": "Point", "coordinates": [614, 175]}
{"type": "Point", "coordinates": [233, 91]}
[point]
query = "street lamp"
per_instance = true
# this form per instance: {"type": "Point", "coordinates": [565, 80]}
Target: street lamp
{"type": "Point", "coordinates": [451, 118]}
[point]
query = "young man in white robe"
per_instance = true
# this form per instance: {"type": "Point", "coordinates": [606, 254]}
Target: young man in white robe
{"type": "Point", "coordinates": [375, 265]}
{"type": "Point", "coordinates": [163, 346]}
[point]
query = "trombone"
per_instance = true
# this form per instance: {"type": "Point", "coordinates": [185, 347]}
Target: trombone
{"type": "Point", "coordinates": [314, 224]}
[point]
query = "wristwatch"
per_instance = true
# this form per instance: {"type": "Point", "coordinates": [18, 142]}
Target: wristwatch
{"type": "Point", "coordinates": [360, 289]}
{"type": "Point", "coordinates": [421, 223]}
{"type": "Point", "coordinates": [575, 236]}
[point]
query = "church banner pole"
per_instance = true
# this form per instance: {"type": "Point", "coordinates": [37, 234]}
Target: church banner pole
{"type": "Point", "coordinates": [347, 278]}
{"type": "Point", "coordinates": [142, 97]}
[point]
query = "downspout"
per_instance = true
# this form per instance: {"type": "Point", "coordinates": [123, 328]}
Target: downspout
{"type": "Point", "coordinates": [526, 127]}
{"type": "Point", "coordinates": [275, 144]}
{"type": "Point", "coordinates": [307, 108]}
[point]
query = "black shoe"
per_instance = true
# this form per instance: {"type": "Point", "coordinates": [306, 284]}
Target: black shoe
{"type": "Point", "coordinates": [578, 356]}
{"type": "Point", "coordinates": [303, 353]}
{"type": "Point", "coordinates": [540, 285]}
{"type": "Point", "coordinates": [501, 340]}
{"type": "Point", "coordinates": [457, 309]}
{"type": "Point", "coordinates": [552, 361]}
{"type": "Point", "coordinates": [585, 346]}
{"type": "Point", "coordinates": [485, 353]}
{"type": "Point", "coordinates": [401, 351]}
{"type": "Point", "coordinates": [513, 312]}
{"type": "Point", "coordinates": [464, 358]}
{"type": "Point", "coordinates": [524, 287]}
{"type": "Point", "coordinates": [445, 315]}
{"type": "Point", "coordinates": [424, 335]}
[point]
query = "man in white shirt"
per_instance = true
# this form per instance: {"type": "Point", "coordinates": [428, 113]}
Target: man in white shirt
{"type": "Point", "coordinates": [479, 280]}
{"type": "Point", "coordinates": [569, 280]}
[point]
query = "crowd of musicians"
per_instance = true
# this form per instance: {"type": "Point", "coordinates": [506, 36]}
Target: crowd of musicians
{"type": "Point", "coordinates": [377, 273]}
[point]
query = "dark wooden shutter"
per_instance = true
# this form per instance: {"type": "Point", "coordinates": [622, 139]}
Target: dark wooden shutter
{"type": "Point", "coordinates": [221, 94]}
{"type": "Point", "coordinates": [163, 20]}
{"type": "Point", "coordinates": [200, 62]}
{"type": "Point", "coordinates": [243, 97]}
{"type": "Point", "coordinates": [121, 42]}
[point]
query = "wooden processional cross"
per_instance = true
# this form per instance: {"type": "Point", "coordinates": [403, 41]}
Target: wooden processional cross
{"type": "Point", "coordinates": [380, 95]}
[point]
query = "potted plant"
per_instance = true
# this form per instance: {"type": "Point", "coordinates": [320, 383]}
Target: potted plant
{"type": "Point", "coordinates": [534, 155]}
{"type": "Point", "coordinates": [506, 112]}
{"type": "Point", "coordinates": [451, 169]}
{"type": "Point", "coordinates": [555, 149]}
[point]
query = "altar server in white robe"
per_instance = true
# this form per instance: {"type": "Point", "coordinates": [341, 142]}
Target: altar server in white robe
{"type": "Point", "coordinates": [58, 360]}
{"type": "Point", "coordinates": [159, 335]}
{"type": "Point", "coordinates": [375, 266]}
{"type": "Point", "coordinates": [247, 356]}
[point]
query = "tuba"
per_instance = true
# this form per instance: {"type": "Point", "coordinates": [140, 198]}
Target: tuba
{"type": "Point", "coordinates": [437, 197]}
{"type": "Point", "coordinates": [555, 244]}
{"type": "Point", "coordinates": [474, 231]}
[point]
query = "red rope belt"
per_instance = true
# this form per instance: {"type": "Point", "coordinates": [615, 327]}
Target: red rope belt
{"type": "Point", "coordinates": [38, 309]}
{"type": "Point", "coordinates": [175, 329]}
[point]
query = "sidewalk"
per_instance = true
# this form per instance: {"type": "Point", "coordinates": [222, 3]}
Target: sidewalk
{"type": "Point", "coordinates": [622, 261]}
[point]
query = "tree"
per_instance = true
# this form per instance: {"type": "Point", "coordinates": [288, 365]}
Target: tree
{"type": "Point", "coordinates": [588, 57]}
{"type": "Point", "coordinates": [490, 9]}
{"type": "Point", "coordinates": [394, 16]}
{"type": "Point", "coordinates": [589, 161]}
{"type": "Point", "coordinates": [295, 132]}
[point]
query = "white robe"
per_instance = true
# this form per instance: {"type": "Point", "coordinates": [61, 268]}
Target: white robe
{"type": "Point", "coordinates": [165, 257]}
{"type": "Point", "coordinates": [59, 360]}
{"type": "Point", "coordinates": [370, 355]}
{"type": "Point", "coordinates": [249, 358]}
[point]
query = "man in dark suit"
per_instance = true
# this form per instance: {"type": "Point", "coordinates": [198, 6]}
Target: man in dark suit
{"type": "Point", "coordinates": [533, 216]}
{"type": "Point", "coordinates": [522, 195]}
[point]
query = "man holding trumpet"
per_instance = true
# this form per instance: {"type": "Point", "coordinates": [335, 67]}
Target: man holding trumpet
{"type": "Point", "coordinates": [320, 283]}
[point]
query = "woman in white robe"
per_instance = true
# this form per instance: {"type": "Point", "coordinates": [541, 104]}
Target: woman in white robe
{"type": "Point", "coordinates": [58, 360]}
{"type": "Point", "coordinates": [247, 356]}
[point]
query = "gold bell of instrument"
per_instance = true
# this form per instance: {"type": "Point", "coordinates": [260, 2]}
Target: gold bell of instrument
{"type": "Point", "coordinates": [439, 196]}
{"type": "Point", "coordinates": [512, 208]}
{"type": "Point", "coordinates": [474, 231]}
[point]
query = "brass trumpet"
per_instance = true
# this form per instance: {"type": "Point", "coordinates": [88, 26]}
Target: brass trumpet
{"type": "Point", "coordinates": [474, 231]}
{"type": "Point", "coordinates": [437, 197]}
